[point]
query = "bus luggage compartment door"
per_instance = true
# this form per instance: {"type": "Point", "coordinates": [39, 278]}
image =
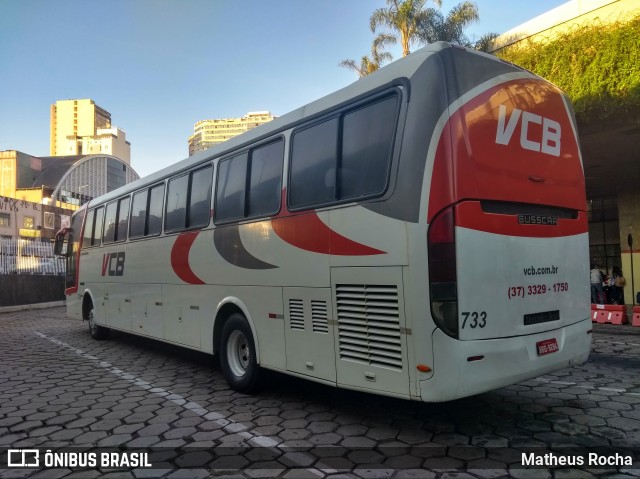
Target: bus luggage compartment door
{"type": "Point", "coordinates": [309, 332]}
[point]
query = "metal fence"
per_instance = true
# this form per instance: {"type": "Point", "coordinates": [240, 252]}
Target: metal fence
{"type": "Point", "coordinates": [29, 257]}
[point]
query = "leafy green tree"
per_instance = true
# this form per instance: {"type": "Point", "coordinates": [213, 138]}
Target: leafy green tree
{"type": "Point", "coordinates": [378, 58]}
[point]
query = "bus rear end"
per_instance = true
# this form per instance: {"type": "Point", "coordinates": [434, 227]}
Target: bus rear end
{"type": "Point", "coordinates": [507, 240]}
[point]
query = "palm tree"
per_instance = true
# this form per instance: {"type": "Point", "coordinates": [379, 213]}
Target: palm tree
{"type": "Point", "coordinates": [369, 65]}
{"type": "Point", "coordinates": [449, 28]}
{"type": "Point", "coordinates": [407, 17]}
{"type": "Point", "coordinates": [485, 42]}
{"type": "Point", "coordinates": [416, 24]}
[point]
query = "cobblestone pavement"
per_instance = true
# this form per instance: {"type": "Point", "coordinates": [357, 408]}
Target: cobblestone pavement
{"type": "Point", "coordinates": [60, 388]}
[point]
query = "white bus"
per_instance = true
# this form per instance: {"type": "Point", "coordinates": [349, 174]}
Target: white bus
{"type": "Point", "coordinates": [421, 233]}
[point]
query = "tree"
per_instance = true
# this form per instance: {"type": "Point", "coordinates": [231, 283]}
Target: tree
{"type": "Point", "coordinates": [485, 42]}
{"type": "Point", "coordinates": [406, 17]}
{"type": "Point", "coordinates": [369, 65]}
{"type": "Point", "coordinates": [449, 28]}
{"type": "Point", "coordinates": [416, 24]}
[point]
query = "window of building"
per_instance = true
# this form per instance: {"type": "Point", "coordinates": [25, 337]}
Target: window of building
{"type": "Point", "coordinates": [345, 157]}
{"type": "Point", "coordinates": [604, 233]}
{"type": "Point", "coordinates": [5, 219]}
{"type": "Point", "coordinates": [28, 222]}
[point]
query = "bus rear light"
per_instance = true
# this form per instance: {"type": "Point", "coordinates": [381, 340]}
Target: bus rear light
{"type": "Point", "coordinates": [443, 288]}
{"type": "Point", "coordinates": [423, 368]}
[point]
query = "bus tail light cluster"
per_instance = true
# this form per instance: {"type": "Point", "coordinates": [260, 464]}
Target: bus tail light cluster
{"type": "Point", "coordinates": [443, 289]}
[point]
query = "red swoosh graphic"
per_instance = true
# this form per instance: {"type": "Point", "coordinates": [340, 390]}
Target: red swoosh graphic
{"type": "Point", "coordinates": [180, 257]}
{"type": "Point", "coordinates": [308, 232]}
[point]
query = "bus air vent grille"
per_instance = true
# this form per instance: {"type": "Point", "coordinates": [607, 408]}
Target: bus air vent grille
{"type": "Point", "coordinates": [319, 317]}
{"type": "Point", "coordinates": [296, 314]}
{"type": "Point", "coordinates": [369, 324]}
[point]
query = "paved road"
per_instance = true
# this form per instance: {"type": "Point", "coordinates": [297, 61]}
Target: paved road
{"type": "Point", "coordinates": [60, 388]}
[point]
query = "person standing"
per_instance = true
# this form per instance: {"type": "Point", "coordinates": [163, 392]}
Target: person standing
{"type": "Point", "coordinates": [597, 292]}
{"type": "Point", "coordinates": [617, 285]}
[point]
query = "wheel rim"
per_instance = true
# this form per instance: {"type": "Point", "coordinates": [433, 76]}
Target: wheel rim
{"type": "Point", "coordinates": [238, 353]}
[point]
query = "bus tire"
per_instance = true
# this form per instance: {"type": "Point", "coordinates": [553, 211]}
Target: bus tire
{"type": "Point", "coordinates": [238, 355]}
{"type": "Point", "coordinates": [96, 331]}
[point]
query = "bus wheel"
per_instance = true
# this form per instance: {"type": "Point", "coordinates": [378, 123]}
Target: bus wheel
{"type": "Point", "coordinates": [96, 331]}
{"type": "Point", "coordinates": [238, 355]}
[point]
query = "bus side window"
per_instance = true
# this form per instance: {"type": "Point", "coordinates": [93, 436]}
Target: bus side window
{"type": "Point", "coordinates": [314, 154]}
{"type": "Point", "coordinates": [367, 141]}
{"type": "Point", "coordinates": [154, 218]}
{"type": "Point", "coordinates": [138, 214]}
{"type": "Point", "coordinates": [88, 228]}
{"type": "Point", "coordinates": [265, 179]}
{"type": "Point", "coordinates": [177, 203]}
{"type": "Point", "coordinates": [123, 219]}
{"type": "Point", "coordinates": [97, 229]}
{"type": "Point", "coordinates": [109, 235]}
{"type": "Point", "coordinates": [200, 197]}
{"type": "Point", "coordinates": [230, 189]}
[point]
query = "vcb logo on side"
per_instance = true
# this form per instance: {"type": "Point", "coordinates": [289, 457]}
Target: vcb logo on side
{"type": "Point", "coordinates": [113, 264]}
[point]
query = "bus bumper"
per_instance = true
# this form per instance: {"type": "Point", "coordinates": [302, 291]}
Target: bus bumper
{"type": "Point", "coordinates": [505, 361]}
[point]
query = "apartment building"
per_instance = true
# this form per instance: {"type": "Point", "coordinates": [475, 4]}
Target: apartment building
{"type": "Point", "coordinates": [207, 133]}
{"type": "Point", "coordinates": [80, 127]}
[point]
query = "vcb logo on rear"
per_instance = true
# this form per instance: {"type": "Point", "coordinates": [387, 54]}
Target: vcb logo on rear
{"type": "Point", "coordinates": [549, 142]}
{"type": "Point", "coordinates": [113, 264]}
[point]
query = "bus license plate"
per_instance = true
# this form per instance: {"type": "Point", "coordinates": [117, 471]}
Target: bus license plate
{"type": "Point", "coordinates": [547, 346]}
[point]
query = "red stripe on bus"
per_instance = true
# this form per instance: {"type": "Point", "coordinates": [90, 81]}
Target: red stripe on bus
{"type": "Point", "coordinates": [180, 257]}
{"type": "Point", "coordinates": [469, 215]}
{"type": "Point", "coordinates": [308, 232]}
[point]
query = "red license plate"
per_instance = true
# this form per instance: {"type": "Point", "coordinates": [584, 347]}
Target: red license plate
{"type": "Point", "coordinates": [547, 346]}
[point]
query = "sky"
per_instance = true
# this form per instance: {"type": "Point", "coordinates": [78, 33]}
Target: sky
{"type": "Point", "coordinates": [159, 66]}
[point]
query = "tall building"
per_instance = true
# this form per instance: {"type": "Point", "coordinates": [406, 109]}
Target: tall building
{"type": "Point", "coordinates": [80, 127]}
{"type": "Point", "coordinates": [207, 133]}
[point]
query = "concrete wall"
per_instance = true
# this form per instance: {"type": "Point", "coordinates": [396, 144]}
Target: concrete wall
{"type": "Point", "coordinates": [18, 289]}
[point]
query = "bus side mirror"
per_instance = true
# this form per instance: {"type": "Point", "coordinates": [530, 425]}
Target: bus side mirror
{"type": "Point", "coordinates": [58, 245]}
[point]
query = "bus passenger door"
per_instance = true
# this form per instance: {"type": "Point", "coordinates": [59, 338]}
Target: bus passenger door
{"type": "Point", "coordinates": [309, 332]}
